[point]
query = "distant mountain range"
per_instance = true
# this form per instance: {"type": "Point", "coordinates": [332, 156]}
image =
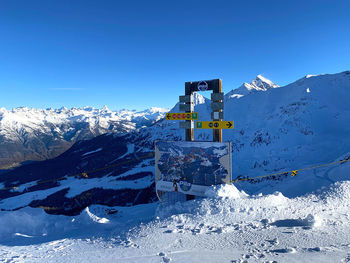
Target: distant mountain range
{"type": "Point", "coordinates": [36, 134]}
{"type": "Point", "coordinates": [276, 129]}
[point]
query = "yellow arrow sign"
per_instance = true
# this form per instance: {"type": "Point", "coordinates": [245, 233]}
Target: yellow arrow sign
{"type": "Point", "coordinates": [214, 124]}
{"type": "Point", "coordinates": [182, 116]}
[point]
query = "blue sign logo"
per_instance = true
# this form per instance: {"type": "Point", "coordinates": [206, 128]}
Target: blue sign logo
{"type": "Point", "coordinates": [202, 86]}
{"type": "Point", "coordinates": [185, 186]}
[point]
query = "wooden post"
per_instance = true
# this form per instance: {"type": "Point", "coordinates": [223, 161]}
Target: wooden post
{"type": "Point", "coordinates": [189, 132]}
{"type": "Point", "coordinates": [217, 133]}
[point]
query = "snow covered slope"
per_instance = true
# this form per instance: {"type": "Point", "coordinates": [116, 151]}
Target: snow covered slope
{"type": "Point", "coordinates": [37, 134]}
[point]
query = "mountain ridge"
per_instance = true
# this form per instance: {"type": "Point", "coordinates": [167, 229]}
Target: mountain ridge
{"type": "Point", "coordinates": [39, 134]}
{"type": "Point", "coordinates": [303, 124]}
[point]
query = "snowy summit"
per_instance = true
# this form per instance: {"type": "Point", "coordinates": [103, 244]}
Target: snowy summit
{"type": "Point", "coordinates": [258, 84]}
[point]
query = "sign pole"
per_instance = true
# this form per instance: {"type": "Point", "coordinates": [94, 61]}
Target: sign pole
{"type": "Point", "coordinates": [217, 133]}
{"type": "Point", "coordinates": [189, 132]}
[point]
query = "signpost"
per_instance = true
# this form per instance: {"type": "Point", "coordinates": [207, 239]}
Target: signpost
{"type": "Point", "coordinates": [181, 116]}
{"type": "Point", "coordinates": [168, 178]}
{"type": "Point", "coordinates": [214, 125]}
{"type": "Point", "coordinates": [187, 105]}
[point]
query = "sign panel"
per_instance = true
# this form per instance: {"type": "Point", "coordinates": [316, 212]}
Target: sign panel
{"type": "Point", "coordinates": [191, 167]}
{"type": "Point", "coordinates": [186, 125]}
{"type": "Point", "coordinates": [193, 86]}
{"type": "Point", "coordinates": [182, 116]}
{"type": "Point", "coordinates": [217, 96]}
{"type": "Point", "coordinates": [216, 115]}
{"type": "Point", "coordinates": [216, 106]}
{"type": "Point", "coordinates": [186, 99]}
{"type": "Point", "coordinates": [202, 86]}
{"type": "Point", "coordinates": [214, 124]}
{"type": "Point", "coordinates": [186, 107]}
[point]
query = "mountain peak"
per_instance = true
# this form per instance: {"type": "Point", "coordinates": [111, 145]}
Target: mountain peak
{"type": "Point", "coordinates": [105, 109]}
{"type": "Point", "coordinates": [260, 83]}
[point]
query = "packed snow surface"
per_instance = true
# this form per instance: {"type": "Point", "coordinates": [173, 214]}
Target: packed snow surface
{"type": "Point", "coordinates": [227, 226]}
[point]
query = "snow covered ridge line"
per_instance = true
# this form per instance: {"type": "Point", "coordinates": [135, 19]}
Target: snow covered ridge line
{"type": "Point", "coordinates": [85, 108]}
{"type": "Point", "coordinates": [33, 116]}
{"type": "Point", "coordinates": [38, 134]}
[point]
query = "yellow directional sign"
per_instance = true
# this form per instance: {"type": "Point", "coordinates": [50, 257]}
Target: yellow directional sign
{"type": "Point", "coordinates": [214, 124]}
{"type": "Point", "coordinates": [182, 116]}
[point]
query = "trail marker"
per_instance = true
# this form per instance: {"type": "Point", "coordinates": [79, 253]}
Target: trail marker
{"type": "Point", "coordinates": [214, 124]}
{"type": "Point", "coordinates": [181, 116]}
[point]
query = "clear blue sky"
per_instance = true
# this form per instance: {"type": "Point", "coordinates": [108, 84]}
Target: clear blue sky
{"type": "Point", "coordinates": [138, 54]}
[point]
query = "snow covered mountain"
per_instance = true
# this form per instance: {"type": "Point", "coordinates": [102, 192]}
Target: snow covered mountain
{"type": "Point", "coordinates": [37, 134]}
{"type": "Point", "coordinates": [280, 129]}
{"type": "Point", "coordinates": [258, 84]}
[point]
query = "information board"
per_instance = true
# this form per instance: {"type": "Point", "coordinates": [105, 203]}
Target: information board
{"type": "Point", "coordinates": [191, 167]}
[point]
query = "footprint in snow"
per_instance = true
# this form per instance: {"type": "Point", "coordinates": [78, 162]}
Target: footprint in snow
{"type": "Point", "coordinates": [305, 223]}
{"type": "Point", "coordinates": [313, 249]}
{"type": "Point", "coordinates": [217, 230]}
{"type": "Point", "coordinates": [347, 259]}
{"type": "Point", "coordinates": [273, 241]}
{"type": "Point", "coordinates": [283, 250]}
{"type": "Point", "coordinates": [164, 257]}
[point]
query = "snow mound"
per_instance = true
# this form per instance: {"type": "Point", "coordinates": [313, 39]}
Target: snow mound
{"type": "Point", "coordinates": [35, 223]}
{"type": "Point", "coordinates": [30, 222]}
{"type": "Point", "coordinates": [225, 191]}
{"type": "Point", "coordinates": [92, 218]}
